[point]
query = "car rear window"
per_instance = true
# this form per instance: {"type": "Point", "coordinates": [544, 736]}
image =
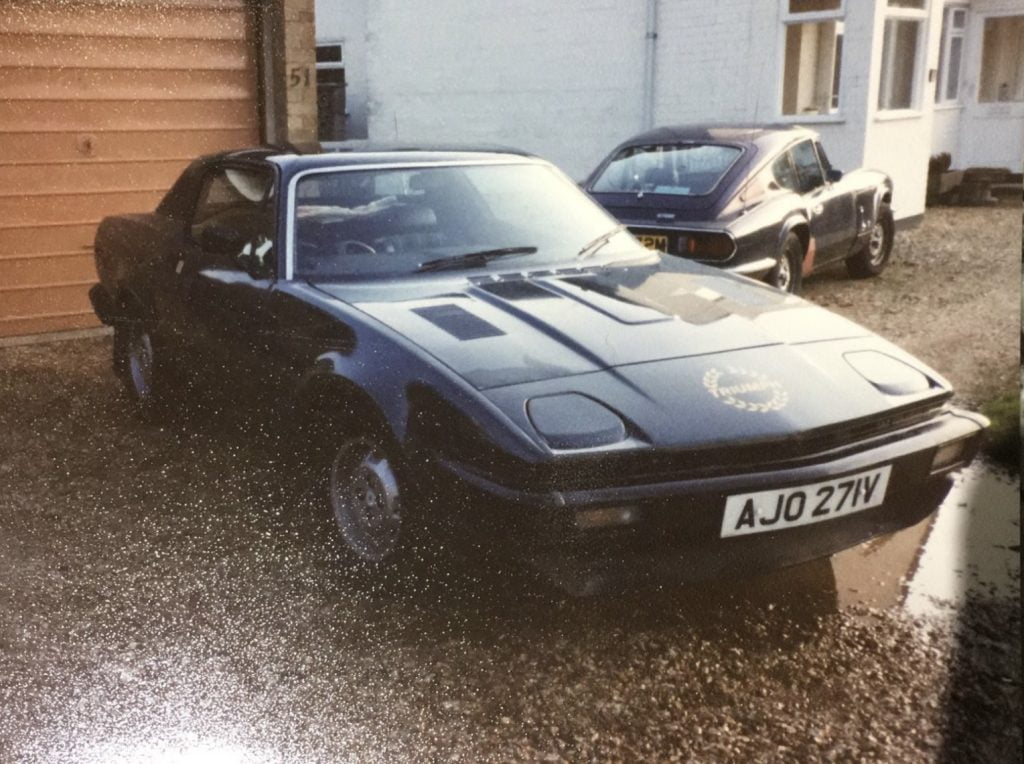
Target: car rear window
{"type": "Point", "coordinates": [683, 169]}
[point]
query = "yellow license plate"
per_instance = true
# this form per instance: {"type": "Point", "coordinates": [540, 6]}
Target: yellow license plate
{"type": "Point", "coordinates": [654, 242]}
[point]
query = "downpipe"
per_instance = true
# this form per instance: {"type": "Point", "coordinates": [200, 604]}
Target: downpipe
{"type": "Point", "coordinates": [650, 41]}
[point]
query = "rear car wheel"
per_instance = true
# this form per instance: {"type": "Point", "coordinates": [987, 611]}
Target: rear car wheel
{"type": "Point", "coordinates": [787, 275]}
{"type": "Point", "coordinates": [871, 259]}
{"type": "Point", "coordinates": [139, 363]}
{"type": "Point", "coordinates": [365, 497]}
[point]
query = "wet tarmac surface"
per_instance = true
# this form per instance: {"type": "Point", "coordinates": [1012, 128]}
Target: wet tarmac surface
{"type": "Point", "coordinates": [166, 596]}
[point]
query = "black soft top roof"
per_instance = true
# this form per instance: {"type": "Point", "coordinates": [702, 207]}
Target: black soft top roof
{"type": "Point", "coordinates": [291, 159]}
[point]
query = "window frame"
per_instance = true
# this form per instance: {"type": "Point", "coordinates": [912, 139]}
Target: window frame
{"type": "Point", "coordinates": [789, 18]}
{"type": "Point", "coordinates": [948, 34]}
{"type": "Point", "coordinates": [981, 22]}
{"type": "Point", "coordinates": [894, 13]}
{"type": "Point", "coordinates": [321, 66]}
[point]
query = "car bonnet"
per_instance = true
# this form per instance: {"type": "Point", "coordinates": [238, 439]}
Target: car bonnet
{"type": "Point", "coordinates": [513, 328]}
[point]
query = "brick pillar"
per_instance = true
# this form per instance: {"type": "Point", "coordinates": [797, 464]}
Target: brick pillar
{"type": "Point", "coordinates": [288, 70]}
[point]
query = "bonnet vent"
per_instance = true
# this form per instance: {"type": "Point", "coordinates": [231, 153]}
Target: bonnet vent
{"type": "Point", "coordinates": [458, 322]}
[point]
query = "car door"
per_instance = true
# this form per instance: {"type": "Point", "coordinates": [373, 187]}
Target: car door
{"type": "Point", "coordinates": [829, 207]}
{"type": "Point", "coordinates": [226, 270]}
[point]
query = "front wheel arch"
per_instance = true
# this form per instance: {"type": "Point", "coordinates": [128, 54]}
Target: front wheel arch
{"type": "Point", "coordinates": [801, 231]}
{"type": "Point", "coordinates": [787, 275]}
{"type": "Point", "coordinates": [335, 401]}
{"type": "Point", "coordinates": [337, 422]}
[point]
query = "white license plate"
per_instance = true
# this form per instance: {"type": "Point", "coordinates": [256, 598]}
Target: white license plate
{"type": "Point", "coordinates": [779, 509]}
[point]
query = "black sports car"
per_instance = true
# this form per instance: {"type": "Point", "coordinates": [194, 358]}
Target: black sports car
{"type": "Point", "coordinates": [761, 201]}
{"type": "Point", "coordinates": [469, 344]}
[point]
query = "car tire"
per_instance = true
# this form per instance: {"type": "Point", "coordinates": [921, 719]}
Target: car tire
{"type": "Point", "coordinates": [871, 259]}
{"type": "Point", "coordinates": [364, 494]}
{"type": "Point", "coordinates": [140, 364]}
{"type": "Point", "coordinates": [787, 275]}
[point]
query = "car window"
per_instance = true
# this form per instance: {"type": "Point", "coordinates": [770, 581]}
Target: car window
{"type": "Point", "coordinates": [388, 222]}
{"type": "Point", "coordinates": [756, 187]}
{"type": "Point", "coordinates": [688, 169]}
{"type": "Point", "coordinates": [822, 156]}
{"type": "Point", "coordinates": [808, 167]}
{"type": "Point", "coordinates": [237, 201]}
{"type": "Point", "coordinates": [784, 173]}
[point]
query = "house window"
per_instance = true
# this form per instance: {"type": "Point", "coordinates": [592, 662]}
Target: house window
{"type": "Point", "coordinates": [330, 92]}
{"type": "Point", "coordinates": [1002, 60]}
{"type": "Point", "coordinates": [951, 49]}
{"type": "Point", "coordinates": [813, 52]}
{"type": "Point", "coordinates": [902, 42]}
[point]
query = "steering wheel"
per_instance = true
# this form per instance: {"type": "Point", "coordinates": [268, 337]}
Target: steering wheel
{"type": "Point", "coordinates": [355, 247]}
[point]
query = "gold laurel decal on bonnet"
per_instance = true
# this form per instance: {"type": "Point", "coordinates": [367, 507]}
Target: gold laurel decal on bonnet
{"type": "Point", "coordinates": [746, 390]}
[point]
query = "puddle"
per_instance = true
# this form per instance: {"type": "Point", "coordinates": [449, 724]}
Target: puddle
{"type": "Point", "coordinates": [968, 550]}
{"type": "Point", "coordinates": [972, 551]}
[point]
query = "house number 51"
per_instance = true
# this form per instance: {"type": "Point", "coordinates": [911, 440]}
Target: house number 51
{"type": "Point", "coordinates": [298, 75]}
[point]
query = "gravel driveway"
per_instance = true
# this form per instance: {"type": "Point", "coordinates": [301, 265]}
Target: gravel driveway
{"type": "Point", "coordinates": [951, 296]}
{"type": "Point", "coordinates": [164, 598]}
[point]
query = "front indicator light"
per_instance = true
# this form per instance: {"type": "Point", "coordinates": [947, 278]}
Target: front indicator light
{"type": "Point", "coordinates": [948, 455]}
{"type": "Point", "coordinates": [605, 517]}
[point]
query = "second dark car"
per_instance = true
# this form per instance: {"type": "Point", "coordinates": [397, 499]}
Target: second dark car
{"type": "Point", "coordinates": [760, 201]}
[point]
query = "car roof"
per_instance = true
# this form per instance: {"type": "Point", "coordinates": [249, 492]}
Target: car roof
{"type": "Point", "coordinates": [300, 157]}
{"type": "Point", "coordinates": [765, 137]}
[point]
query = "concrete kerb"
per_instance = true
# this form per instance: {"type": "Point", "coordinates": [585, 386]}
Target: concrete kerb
{"type": "Point", "coordinates": [39, 339]}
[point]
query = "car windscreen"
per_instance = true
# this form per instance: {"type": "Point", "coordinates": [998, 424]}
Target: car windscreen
{"type": "Point", "coordinates": [681, 169]}
{"type": "Point", "coordinates": [378, 223]}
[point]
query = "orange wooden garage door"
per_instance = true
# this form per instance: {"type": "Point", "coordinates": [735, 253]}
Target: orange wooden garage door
{"type": "Point", "coordinates": [101, 105]}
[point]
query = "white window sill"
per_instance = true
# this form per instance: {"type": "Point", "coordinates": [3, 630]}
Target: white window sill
{"type": "Point", "coordinates": [811, 119]}
{"type": "Point", "coordinates": [895, 115]}
{"type": "Point", "coordinates": [952, 106]}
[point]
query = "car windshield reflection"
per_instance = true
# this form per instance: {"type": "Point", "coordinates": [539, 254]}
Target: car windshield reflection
{"type": "Point", "coordinates": [384, 223]}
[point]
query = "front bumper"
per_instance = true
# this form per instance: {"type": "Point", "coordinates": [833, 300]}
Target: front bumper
{"type": "Point", "coordinates": [674, 531]}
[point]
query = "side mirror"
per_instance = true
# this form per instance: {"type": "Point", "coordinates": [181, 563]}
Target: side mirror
{"type": "Point", "coordinates": [221, 240]}
{"type": "Point", "coordinates": [832, 175]}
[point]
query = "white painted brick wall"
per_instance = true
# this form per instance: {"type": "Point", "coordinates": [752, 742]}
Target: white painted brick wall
{"type": "Point", "coordinates": [712, 61]}
{"type": "Point", "coordinates": [560, 79]}
{"type": "Point", "coordinates": [565, 79]}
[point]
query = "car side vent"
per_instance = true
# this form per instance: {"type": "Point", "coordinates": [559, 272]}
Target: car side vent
{"type": "Point", "coordinates": [458, 322]}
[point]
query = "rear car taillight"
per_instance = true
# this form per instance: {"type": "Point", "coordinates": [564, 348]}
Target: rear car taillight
{"type": "Point", "coordinates": [707, 246]}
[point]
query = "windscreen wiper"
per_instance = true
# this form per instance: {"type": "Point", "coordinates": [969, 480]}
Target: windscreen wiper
{"type": "Point", "coordinates": [599, 242]}
{"type": "Point", "coordinates": [473, 259]}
